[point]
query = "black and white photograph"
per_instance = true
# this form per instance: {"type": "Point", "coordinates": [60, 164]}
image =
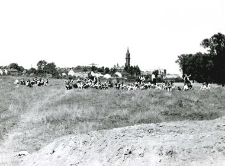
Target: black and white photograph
{"type": "Point", "coordinates": [112, 83]}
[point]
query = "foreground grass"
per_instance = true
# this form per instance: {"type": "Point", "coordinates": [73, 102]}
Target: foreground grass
{"type": "Point", "coordinates": [8, 117]}
{"type": "Point", "coordinates": [45, 113]}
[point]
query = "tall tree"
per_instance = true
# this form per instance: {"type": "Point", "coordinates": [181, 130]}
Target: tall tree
{"type": "Point", "coordinates": [93, 68]}
{"type": "Point", "coordinates": [133, 70]}
{"type": "Point", "coordinates": [156, 73]}
{"type": "Point", "coordinates": [107, 70]}
{"type": "Point", "coordinates": [215, 44]}
{"type": "Point", "coordinates": [15, 66]}
{"type": "Point", "coordinates": [21, 68]}
{"type": "Point", "coordinates": [41, 64]}
{"type": "Point", "coordinates": [216, 49]}
{"type": "Point", "coordinates": [50, 68]}
{"type": "Point", "coordinates": [206, 66]}
{"type": "Point", "coordinates": [137, 70]}
{"type": "Point", "coordinates": [112, 70]}
{"type": "Point", "coordinates": [101, 69]}
{"type": "Point", "coordinates": [31, 70]}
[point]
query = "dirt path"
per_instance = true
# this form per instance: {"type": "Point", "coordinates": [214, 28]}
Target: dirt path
{"type": "Point", "coordinates": [175, 143]}
{"type": "Point", "coordinates": [11, 149]}
{"type": "Point", "coordinates": [8, 155]}
{"type": "Point", "coordinates": [10, 152]}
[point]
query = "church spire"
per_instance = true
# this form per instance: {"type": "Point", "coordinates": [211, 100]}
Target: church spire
{"type": "Point", "coordinates": [128, 50]}
{"type": "Point", "coordinates": [127, 58]}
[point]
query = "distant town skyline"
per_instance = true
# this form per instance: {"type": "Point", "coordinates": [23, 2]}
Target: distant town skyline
{"type": "Point", "coordinates": [76, 33]}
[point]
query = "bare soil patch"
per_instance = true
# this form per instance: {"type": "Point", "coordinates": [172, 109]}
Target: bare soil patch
{"type": "Point", "coordinates": [174, 143]}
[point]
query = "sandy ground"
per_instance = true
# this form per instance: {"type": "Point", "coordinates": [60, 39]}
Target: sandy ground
{"type": "Point", "coordinates": [176, 143]}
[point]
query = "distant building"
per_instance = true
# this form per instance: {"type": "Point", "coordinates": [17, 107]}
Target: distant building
{"type": "Point", "coordinates": [77, 73]}
{"type": "Point", "coordinates": [162, 72]}
{"type": "Point", "coordinates": [71, 72]}
{"type": "Point", "coordinates": [172, 77]}
{"type": "Point", "coordinates": [81, 74]}
{"type": "Point", "coordinates": [13, 72]}
{"type": "Point", "coordinates": [146, 73]}
{"type": "Point", "coordinates": [119, 68]}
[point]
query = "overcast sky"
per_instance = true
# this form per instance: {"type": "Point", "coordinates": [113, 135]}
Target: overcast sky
{"type": "Point", "coordinates": [80, 32]}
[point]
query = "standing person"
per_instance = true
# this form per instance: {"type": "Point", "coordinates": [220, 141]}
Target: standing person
{"type": "Point", "coordinates": [187, 81]}
{"type": "Point", "coordinates": [153, 79]}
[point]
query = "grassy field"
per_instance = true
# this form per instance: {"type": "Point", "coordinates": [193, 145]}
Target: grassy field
{"type": "Point", "coordinates": [42, 114]}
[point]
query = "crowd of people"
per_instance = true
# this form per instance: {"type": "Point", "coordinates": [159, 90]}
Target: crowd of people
{"type": "Point", "coordinates": [31, 83]}
{"type": "Point", "coordinates": [140, 83]}
{"type": "Point", "coordinates": [96, 83]}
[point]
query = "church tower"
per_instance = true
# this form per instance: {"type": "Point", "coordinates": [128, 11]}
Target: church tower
{"type": "Point", "coordinates": [127, 58]}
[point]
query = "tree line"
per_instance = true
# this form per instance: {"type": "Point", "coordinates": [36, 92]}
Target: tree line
{"type": "Point", "coordinates": [43, 68]}
{"type": "Point", "coordinates": [132, 70]}
{"type": "Point", "coordinates": [209, 66]}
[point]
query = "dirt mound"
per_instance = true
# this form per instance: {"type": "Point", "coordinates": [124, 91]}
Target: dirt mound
{"type": "Point", "coordinates": [175, 143]}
